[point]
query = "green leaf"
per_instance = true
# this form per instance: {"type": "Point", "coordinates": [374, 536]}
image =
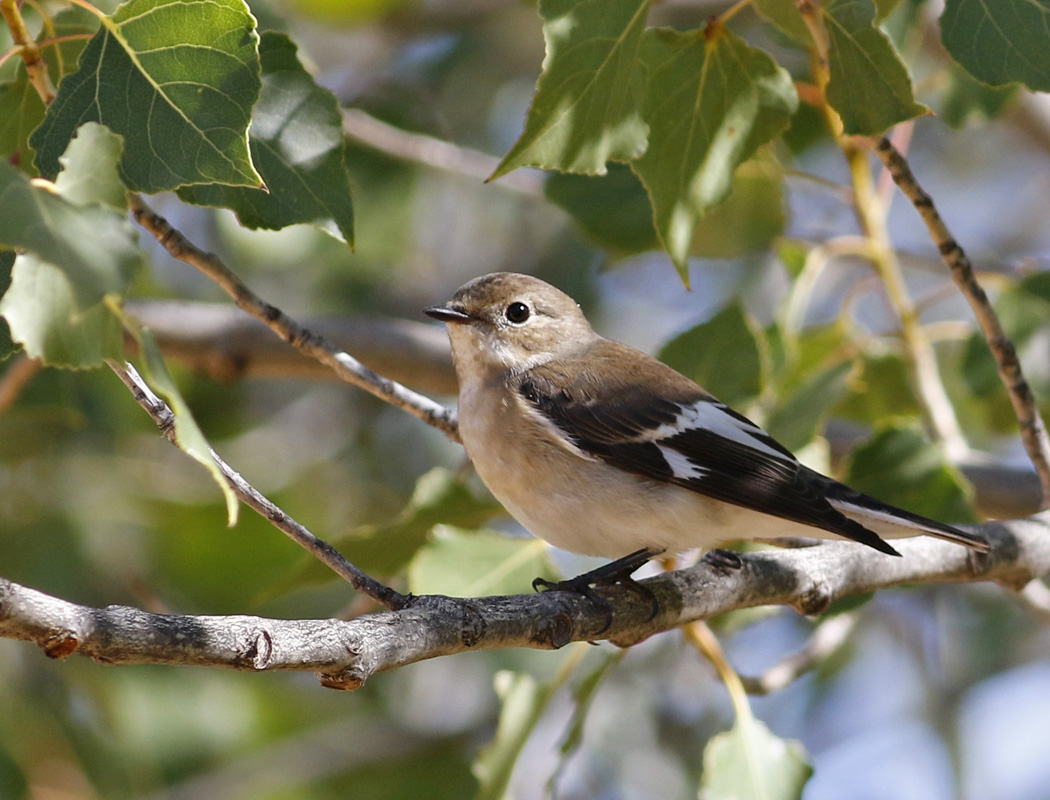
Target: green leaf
{"type": "Point", "coordinates": [89, 168]}
{"type": "Point", "coordinates": [522, 703]}
{"type": "Point", "coordinates": [711, 101]}
{"type": "Point", "coordinates": [700, 354]}
{"type": "Point", "coordinates": [967, 99]}
{"type": "Point", "coordinates": [188, 436]}
{"type": "Point", "coordinates": [1000, 42]}
{"type": "Point", "coordinates": [463, 563]}
{"type": "Point", "coordinates": [901, 466]}
{"type": "Point", "coordinates": [7, 263]}
{"type": "Point", "coordinates": [438, 498]}
{"type": "Point", "coordinates": [881, 389]}
{"type": "Point", "coordinates": [794, 422]}
{"type": "Point", "coordinates": [45, 317]}
{"type": "Point", "coordinates": [21, 109]}
{"type": "Point", "coordinates": [583, 695]}
{"type": "Point", "coordinates": [749, 761]}
{"type": "Point", "coordinates": [586, 108]}
{"type": "Point", "coordinates": [749, 219]}
{"type": "Point", "coordinates": [177, 79]}
{"type": "Point", "coordinates": [869, 87]}
{"type": "Point", "coordinates": [786, 17]}
{"type": "Point", "coordinates": [297, 145]}
{"type": "Point", "coordinates": [94, 245]}
{"type": "Point", "coordinates": [613, 209]}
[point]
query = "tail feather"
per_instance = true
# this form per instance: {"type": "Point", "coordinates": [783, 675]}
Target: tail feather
{"type": "Point", "coordinates": [892, 522]}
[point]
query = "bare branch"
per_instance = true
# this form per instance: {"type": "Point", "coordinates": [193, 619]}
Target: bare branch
{"type": "Point", "coordinates": [435, 153]}
{"type": "Point", "coordinates": [827, 637]}
{"type": "Point", "coordinates": [1033, 429]}
{"type": "Point", "coordinates": [251, 497]}
{"type": "Point", "coordinates": [346, 653]}
{"type": "Point", "coordinates": [345, 366]}
{"type": "Point", "coordinates": [222, 342]}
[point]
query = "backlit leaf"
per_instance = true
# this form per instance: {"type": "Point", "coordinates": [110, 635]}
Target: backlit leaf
{"type": "Point", "coordinates": [749, 761]}
{"type": "Point", "coordinates": [297, 145]}
{"type": "Point", "coordinates": [177, 79]}
{"type": "Point", "coordinates": [586, 110]}
{"type": "Point", "coordinates": [711, 101]}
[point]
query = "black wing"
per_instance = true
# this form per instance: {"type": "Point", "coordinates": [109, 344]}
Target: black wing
{"type": "Point", "coordinates": [686, 438]}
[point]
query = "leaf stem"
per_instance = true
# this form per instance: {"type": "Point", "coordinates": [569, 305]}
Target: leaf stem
{"type": "Point", "coordinates": [700, 637]}
{"type": "Point", "coordinates": [32, 56]}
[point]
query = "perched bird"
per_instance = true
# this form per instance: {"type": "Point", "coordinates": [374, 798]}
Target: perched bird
{"type": "Point", "coordinates": [601, 449]}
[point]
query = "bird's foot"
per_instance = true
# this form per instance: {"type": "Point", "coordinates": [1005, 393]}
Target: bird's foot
{"type": "Point", "coordinates": [724, 560]}
{"type": "Point", "coordinates": [618, 571]}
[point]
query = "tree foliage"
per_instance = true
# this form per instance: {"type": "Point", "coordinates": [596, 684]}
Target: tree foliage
{"type": "Point", "coordinates": [723, 148]}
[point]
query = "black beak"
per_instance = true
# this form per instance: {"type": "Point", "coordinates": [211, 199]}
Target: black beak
{"type": "Point", "coordinates": [447, 314]}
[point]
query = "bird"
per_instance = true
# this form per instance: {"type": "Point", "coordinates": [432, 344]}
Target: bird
{"type": "Point", "coordinates": [601, 449]}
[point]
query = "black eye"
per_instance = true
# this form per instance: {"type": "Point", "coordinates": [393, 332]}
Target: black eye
{"type": "Point", "coordinates": [517, 312]}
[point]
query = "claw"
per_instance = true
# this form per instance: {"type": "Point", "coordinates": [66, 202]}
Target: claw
{"type": "Point", "coordinates": [618, 571]}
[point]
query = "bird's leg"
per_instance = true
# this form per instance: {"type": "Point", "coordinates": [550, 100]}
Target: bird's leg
{"type": "Point", "coordinates": [618, 571]}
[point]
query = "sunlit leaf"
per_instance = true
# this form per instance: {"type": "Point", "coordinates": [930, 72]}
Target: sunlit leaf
{"type": "Point", "coordinates": [44, 316]}
{"type": "Point", "coordinates": [711, 101]}
{"type": "Point", "coordinates": [89, 168]}
{"type": "Point", "coordinates": [188, 435]}
{"type": "Point", "coordinates": [94, 244]}
{"type": "Point", "coordinates": [177, 79]}
{"type": "Point", "coordinates": [700, 354]}
{"type": "Point", "coordinates": [749, 761]}
{"type": "Point", "coordinates": [1000, 42]}
{"type": "Point", "coordinates": [586, 110]}
{"type": "Point", "coordinates": [749, 219]}
{"type": "Point", "coordinates": [461, 563]}
{"type": "Point", "coordinates": [297, 145]}
{"type": "Point", "coordinates": [870, 87]}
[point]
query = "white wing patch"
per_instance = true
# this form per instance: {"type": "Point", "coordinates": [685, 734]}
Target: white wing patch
{"type": "Point", "coordinates": [682, 467]}
{"type": "Point", "coordinates": [705, 415]}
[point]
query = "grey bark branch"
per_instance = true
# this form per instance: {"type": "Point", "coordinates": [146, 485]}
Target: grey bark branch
{"type": "Point", "coordinates": [346, 653]}
{"type": "Point", "coordinates": [224, 343]}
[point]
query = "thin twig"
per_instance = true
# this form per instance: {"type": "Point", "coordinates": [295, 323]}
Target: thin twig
{"type": "Point", "coordinates": [827, 637]}
{"type": "Point", "coordinates": [435, 153]}
{"type": "Point", "coordinates": [15, 379]}
{"type": "Point", "coordinates": [1033, 429]}
{"type": "Point", "coordinates": [251, 497]}
{"type": "Point", "coordinates": [36, 65]}
{"type": "Point", "coordinates": [345, 366]}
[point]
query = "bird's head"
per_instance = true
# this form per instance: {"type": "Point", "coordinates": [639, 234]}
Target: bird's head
{"type": "Point", "coordinates": [509, 321]}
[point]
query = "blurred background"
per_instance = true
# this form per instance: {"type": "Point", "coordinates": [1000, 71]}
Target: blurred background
{"type": "Point", "coordinates": [932, 692]}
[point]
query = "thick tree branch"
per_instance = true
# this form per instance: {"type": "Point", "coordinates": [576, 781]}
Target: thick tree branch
{"type": "Point", "coordinates": [345, 366]}
{"type": "Point", "coordinates": [346, 653]}
{"type": "Point", "coordinates": [1033, 429]}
